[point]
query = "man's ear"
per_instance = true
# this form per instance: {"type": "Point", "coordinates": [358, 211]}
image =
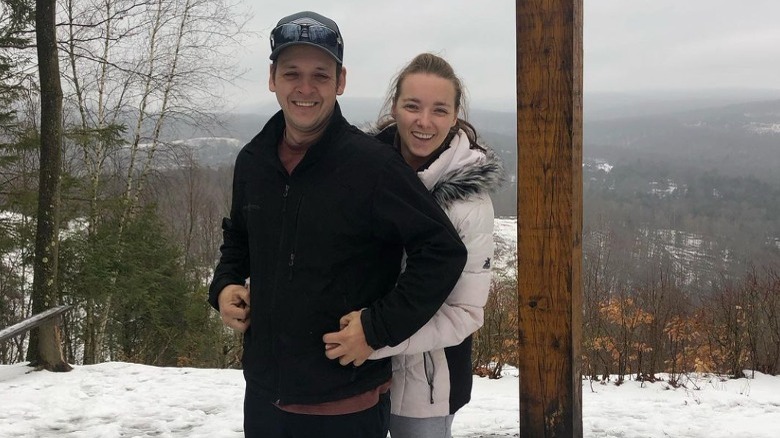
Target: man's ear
{"type": "Point", "coordinates": [342, 81]}
{"type": "Point", "coordinates": [271, 80]}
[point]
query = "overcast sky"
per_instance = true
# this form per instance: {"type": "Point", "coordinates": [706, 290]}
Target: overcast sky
{"type": "Point", "coordinates": [629, 44]}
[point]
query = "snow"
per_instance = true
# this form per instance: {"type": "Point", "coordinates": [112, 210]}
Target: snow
{"type": "Point", "coordinates": [505, 238]}
{"type": "Point", "coordinates": [764, 128]}
{"type": "Point", "coordinates": [717, 409]}
{"type": "Point", "coordinates": [505, 229]}
{"type": "Point", "coordinates": [605, 167]}
{"type": "Point", "coordinates": [598, 164]}
{"type": "Point", "coordinates": [206, 141]}
{"type": "Point", "coordinates": [662, 189]}
{"type": "Point", "coordinates": [119, 399]}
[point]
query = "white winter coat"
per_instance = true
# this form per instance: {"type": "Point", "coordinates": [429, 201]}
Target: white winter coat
{"type": "Point", "coordinates": [460, 180]}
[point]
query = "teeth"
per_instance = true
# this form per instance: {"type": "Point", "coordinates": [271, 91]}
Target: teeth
{"type": "Point", "coordinates": [422, 136]}
{"type": "Point", "coordinates": [304, 103]}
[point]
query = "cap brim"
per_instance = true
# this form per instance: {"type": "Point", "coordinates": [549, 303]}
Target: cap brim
{"type": "Point", "coordinates": [278, 50]}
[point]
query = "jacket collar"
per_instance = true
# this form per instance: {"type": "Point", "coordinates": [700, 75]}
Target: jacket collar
{"type": "Point", "coordinates": [266, 142]}
{"type": "Point", "coordinates": [456, 172]}
{"type": "Point", "coordinates": [390, 136]}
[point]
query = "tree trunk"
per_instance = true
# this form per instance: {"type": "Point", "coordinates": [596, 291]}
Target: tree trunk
{"type": "Point", "coordinates": [46, 349]}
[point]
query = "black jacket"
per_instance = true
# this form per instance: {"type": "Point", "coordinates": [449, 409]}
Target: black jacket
{"type": "Point", "coordinates": [325, 241]}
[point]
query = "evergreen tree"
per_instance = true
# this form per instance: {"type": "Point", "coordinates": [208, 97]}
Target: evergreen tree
{"type": "Point", "coordinates": [15, 17]}
{"type": "Point", "coordinates": [155, 314]}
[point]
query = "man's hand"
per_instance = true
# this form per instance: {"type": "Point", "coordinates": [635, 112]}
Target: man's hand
{"type": "Point", "coordinates": [234, 307]}
{"type": "Point", "coordinates": [348, 345]}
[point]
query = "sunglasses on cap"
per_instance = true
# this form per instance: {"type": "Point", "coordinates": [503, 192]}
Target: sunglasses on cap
{"type": "Point", "coordinates": [306, 33]}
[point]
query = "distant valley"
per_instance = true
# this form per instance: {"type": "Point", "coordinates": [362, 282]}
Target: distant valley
{"type": "Point", "coordinates": [696, 179]}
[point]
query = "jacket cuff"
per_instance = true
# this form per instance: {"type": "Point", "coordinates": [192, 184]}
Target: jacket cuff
{"type": "Point", "coordinates": [215, 288]}
{"type": "Point", "coordinates": [368, 330]}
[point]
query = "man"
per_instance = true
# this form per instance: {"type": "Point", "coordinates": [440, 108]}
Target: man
{"type": "Point", "coordinates": [321, 214]}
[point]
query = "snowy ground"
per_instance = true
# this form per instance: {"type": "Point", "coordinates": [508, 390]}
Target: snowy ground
{"type": "Point", "coordinates": [128, 400]}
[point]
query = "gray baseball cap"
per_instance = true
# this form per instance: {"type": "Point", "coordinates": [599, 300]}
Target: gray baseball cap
{"type": "Point", "coordinates": [308, 28]}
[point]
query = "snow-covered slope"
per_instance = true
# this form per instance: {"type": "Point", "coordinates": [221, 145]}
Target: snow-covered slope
{"type": "Point", "coordinates": [128, 400]}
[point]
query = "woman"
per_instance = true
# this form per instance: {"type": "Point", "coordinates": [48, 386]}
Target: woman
{"type": "Point", "coordinates": [432, 370]}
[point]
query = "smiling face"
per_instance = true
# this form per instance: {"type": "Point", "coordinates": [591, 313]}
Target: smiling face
{"type": "Point", "coordinates": [424, 113]}
{"type": "Point", "coordinates": [306, 84]}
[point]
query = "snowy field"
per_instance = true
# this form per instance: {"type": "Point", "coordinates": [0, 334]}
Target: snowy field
{"type": "Point", "coordinates": [127, 400]}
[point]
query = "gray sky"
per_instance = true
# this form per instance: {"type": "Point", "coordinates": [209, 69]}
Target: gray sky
{"type": "Point", "coordinates": [630, 45]}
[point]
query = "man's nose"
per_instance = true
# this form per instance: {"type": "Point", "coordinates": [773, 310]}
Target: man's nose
{"type": "Point", "coordinates": [305, 87]}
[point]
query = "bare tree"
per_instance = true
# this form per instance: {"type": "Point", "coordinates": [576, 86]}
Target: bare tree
{"type": "Point", "coordinates": [100, 91]}
{"type": "Point", "coordinates": [725, 320]}
{"type": "Point", "coordinates": [136, 68]}
{"type": "Point", "coordinates": [598, 280]}
{"type": "Point", "coordinates": [762, 305]}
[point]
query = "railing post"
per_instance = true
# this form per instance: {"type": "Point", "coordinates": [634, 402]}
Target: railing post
{"type": "Point", "coordinates": [30, 323]}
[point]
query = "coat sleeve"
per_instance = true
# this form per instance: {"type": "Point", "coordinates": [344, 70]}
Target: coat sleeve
{"type": "Point", "coordinates": [233, 265]}
{"type": "Point", "coordinates": [463, 311]}
{"type": "Point", "coordinates": [404, 212]}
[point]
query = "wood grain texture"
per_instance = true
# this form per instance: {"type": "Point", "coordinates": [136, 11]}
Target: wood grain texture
{"type": "Point", "coordinates": [549, 204]}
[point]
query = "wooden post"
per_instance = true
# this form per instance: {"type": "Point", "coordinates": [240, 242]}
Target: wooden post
{"type": "Point", "coordinates": [549, 212]}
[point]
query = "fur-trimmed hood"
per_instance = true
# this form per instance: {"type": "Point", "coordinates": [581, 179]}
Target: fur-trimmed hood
{"type": "Point", "coordinates": [459, 172]}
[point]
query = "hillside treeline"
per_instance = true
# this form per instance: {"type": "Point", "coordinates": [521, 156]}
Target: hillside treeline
{"type": "Point", "coordinates": [673, 281]}
{"type": "Point", "coordinates": [681, 273]}
{"type": "Point", "coordinates": [656, 298]}
{"type": "Point", "coordinates": [641, 317]}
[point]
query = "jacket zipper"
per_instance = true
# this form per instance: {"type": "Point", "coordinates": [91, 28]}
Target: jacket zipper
{"type": "Point", "coordinates": [429, 373]}
{"type": "Point", "coordinates": [276, 289]}
{"type": "Point", "coordinates": [293, 243]}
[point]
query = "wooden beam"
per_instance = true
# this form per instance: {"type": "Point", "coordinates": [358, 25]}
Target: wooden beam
{"type": "Point", "coordinates": [549, 211]}
{"type": "Point", "coordinates": [31, 322]}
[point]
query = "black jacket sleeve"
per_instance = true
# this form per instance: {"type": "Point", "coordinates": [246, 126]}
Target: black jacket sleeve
{"type": "Point", "coordinates": [233, 266]}
{"type": "Point", "coordinates": [404, 211]}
